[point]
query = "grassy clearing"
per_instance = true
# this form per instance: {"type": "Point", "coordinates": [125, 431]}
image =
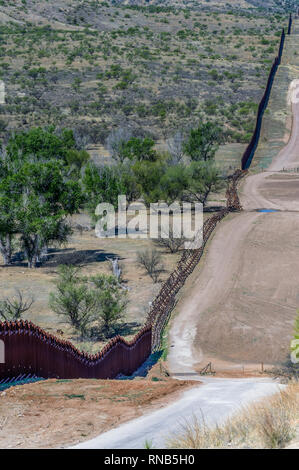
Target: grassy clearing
{"type": "Point", "coordinates": [269, 424]}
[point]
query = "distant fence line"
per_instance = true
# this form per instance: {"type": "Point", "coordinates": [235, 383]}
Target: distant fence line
{"type": "Point", "coordinates": [250, 150]}
{"type": "Point", "coordinates": [290, 24]}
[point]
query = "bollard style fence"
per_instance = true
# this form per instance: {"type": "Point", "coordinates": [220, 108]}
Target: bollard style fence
{"type": "Point", "coordinates": [165, 300]}
{"type": "Point", "coordinates": [250, 151]}
{"type": "Point", "coordinates": [30, 350]}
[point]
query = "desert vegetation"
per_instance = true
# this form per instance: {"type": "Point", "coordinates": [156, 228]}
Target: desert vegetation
{"type": "Point", "coordinates": [98, 66]}
{"type": "Point", "coordinates": [92, 305]}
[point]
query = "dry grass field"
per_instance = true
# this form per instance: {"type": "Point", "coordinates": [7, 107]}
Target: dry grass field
{"type": "Point", "coordinates": [270, 424]}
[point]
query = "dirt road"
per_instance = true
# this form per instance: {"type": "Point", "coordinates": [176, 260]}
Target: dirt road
{"type": "Point", "coordinates": [214, 401]}
{"type": "Point", "coordinates": [238, 308]}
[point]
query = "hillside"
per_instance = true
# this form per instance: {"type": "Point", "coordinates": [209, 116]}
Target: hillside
{"type": "Point", "coordinates": [94, 66]}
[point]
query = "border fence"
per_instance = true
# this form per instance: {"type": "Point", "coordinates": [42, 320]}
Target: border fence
{"type": "Point", "coordinates": [165, 300]}
{"type": "Point", "coordinates": [32, 352]}
{"type": "Point", "coordinates": [250, 151]}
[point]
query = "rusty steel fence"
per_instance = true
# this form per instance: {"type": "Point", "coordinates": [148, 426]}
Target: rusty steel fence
{"type": "Point", "coordinates": [31, 350]}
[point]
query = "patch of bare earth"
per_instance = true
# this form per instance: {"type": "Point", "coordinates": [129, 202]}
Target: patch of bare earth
{"type": "Point", "coordinates": [59, 413]}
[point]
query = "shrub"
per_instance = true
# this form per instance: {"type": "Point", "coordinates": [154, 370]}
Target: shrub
{"type": "Point", "coordinates": [150, 260]}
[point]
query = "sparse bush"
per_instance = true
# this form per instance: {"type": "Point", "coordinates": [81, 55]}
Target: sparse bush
{"type": "Point", "coordinates": [73, 299]}
{"type": "Point", "coordinates": [150, 260]}
{"type": "Point", "coordinates": [171, 242]}
{"type": "Point", "coordinates": [203, 142]}
{"type": "Point", "coordinates": [85, 301]}
{"type": "Point", "coordinates": [12, 308]}
{"type": "Point", "coordinates": [112, 302]}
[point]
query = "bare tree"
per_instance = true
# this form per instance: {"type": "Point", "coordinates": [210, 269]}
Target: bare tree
{"type": "Point", "coordinates": [175, 148]}
{"type": "Point", "coordinates": [151, 261]}
{"type": "Point", "coordinates": [116, 141]}
{"type": "Point", "coordinates": [13, 308]}
{"type": "Point", "coordinates": [116, 269]}
{"type": "Point", "coordinates": [171, 242]}
{"type": "Point", "coordinates": [82, 137]}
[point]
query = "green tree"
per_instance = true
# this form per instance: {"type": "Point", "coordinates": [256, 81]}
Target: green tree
{"type": "Point", "coordinates": [47, 197]}
{"type": "Point", "coordinates": [77, 158]}
{"type": "Point", "coordinates": [202, 142]}
{"type": "Point", "coordinates": [173, 183]}
{"type": "Point", "coordinates": [203, 177]}
{"type": "Point", "coordinates": [41, 143]}
{"type": "Point", "coordinates": [102, 184]}
{"type": "Point", "coordinates": [73, 299]}
{"type": "Point", "coordinates": [8, 220]}
{"type": "Point", "coordinates": [148, 175]}
{"type": "Point", "coordinates": [112, 302]}
{"type": "Point", "coordinates": [140, 149]}
{"type": "Point", "coordinates": [9, 205]}
{"type": "Point", "coordinates": [40, 197]}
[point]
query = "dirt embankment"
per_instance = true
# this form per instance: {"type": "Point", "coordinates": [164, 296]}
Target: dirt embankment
{"type": "Point", "coordinates": [59, 413]}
